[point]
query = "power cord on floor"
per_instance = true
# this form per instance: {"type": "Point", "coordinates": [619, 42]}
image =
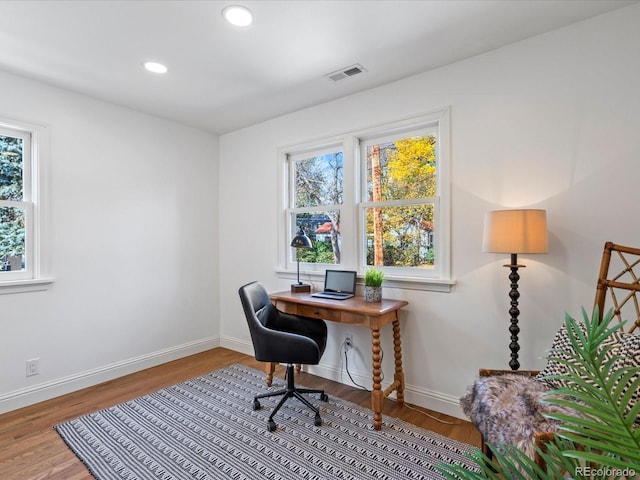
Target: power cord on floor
{"type": "Point", "coordinates": [346, 365]}
{"type": "Point", "coordinates": [461, 422]}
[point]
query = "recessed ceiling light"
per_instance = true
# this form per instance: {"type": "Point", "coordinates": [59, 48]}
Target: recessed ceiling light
{"type": "Point", "coordinates": [155, 67]}
{"type": "Point", "coordinates": [237, 15]}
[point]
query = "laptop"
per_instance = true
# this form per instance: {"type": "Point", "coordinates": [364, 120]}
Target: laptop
{"type": "Point", "coordinates": [338, 285]}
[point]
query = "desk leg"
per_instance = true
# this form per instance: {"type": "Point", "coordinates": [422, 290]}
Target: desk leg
{"type": "Point", "coordinates": [397, 351]}
{"type": "Point", "coordinates": [377, 396]}
{"type": "Point", "coordinates": [270, 367]}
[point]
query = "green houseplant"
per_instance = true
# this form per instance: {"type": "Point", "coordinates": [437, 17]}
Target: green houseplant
{"type": "Point", "coordinates": [601, 441]}
{"type": "Point", "coordinates": [373, 279]}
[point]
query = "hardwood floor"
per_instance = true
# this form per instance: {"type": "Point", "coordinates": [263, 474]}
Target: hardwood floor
{"type": "Point", "coordinates": [31, 449]}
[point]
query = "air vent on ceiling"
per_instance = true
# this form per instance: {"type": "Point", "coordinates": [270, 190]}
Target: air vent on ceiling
{"type": "Point", "coordinates": [346, 72]}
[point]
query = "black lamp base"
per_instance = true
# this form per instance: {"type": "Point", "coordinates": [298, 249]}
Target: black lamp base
{"type": "Point", "coordinates": [514, 295]}
{"type": "Point", "coordinates": [300, 288]}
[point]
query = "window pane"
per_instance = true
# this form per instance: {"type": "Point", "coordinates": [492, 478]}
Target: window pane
{"type": "Point", "coordinates": [12, 238]}
{"type": "Point", "coordinates": [402, 169]}
{"type": "Point", "coordinates": [10, 168]}
{"type": "Point", "coordinates": [319, 180]}
{"type": "Point", "coordinates": [400, 236]}
{"type": "Point", "coordinates": [323, 228]}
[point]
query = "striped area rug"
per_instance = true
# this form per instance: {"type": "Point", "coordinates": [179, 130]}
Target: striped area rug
{"type": "Point", "coordinates": [205, 428]}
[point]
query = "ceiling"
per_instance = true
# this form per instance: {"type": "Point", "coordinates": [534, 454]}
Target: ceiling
{"type": "Point", "coordinates": [222, 78]}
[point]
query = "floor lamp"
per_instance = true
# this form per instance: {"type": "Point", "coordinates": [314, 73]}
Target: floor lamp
{"type": "Point", "coordinates": [514, 232]}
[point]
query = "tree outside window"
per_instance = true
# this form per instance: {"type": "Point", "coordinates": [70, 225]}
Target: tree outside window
{"type": "Point", "coordinates": [12, 210]}
{"type": "Point", "coordinates": [318, 197]}
{"type": "Point", "coordinates": [393, 212]}
{"type": "Point", "coordinates": [400, 201]}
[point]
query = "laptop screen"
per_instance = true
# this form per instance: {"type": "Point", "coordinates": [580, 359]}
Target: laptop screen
{"type": "Point", "coordinates": [343, 281]}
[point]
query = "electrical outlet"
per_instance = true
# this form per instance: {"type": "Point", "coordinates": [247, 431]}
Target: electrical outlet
{"type": "Point", "coordinates": [348, 341]}
{"type": "Point", "coordinates": [33, 367]}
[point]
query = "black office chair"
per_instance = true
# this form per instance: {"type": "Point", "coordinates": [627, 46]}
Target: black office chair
{"type": "Point", "coordinates": [283, 338]}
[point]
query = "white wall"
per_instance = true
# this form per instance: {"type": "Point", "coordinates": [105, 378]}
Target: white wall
{"type": "Point", "coordinates": [551, 122]}
{"type": "Point", "coordinates": [133, 242]}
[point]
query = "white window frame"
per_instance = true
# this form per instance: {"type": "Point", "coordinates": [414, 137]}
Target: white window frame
{"type": "Point", "coordinates": [352, 216]}
{"type": "Point", "coordinates": [292, 210]}
{"type": "Point", "coordinates": [35, 170]}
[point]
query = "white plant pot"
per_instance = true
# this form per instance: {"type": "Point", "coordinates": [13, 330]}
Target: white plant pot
{"type": "Point", "coordinates": [372, 294]}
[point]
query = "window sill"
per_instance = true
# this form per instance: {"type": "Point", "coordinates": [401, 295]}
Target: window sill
{"type": "Point", "coordinates": [404, 283]}
{"type": "Point", "coordinates": [26, 285]}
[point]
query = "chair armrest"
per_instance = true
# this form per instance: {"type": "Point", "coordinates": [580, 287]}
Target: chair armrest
{"type": "Point", "coordinates": [542, 439]}
{"type": "Point", "coordinates": [285, 347]}
{"type": "Point", "coordinates": [485, 372]}
{"type": "Point", "coordinates": [302, 325]}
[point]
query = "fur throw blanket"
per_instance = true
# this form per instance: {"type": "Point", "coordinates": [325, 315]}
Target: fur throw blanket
{"type": "Point", "coordinates": [507, 409]}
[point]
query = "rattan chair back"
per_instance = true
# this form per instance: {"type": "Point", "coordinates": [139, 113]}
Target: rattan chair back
{"type": "Point", "coordinates": [619, 285]}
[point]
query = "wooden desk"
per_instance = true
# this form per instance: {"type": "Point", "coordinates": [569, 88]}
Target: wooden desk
{"type": "Point", "coordinates": [354, 311]}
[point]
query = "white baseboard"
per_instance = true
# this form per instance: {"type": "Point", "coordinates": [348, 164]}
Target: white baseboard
{"type": "Point", "coordinates": [431, 399]}
{"type": "Point", "coordinates": [54, 388]}
{"type": "Point", "coordinates": [422, 397]}
{"type": "Point", "coordinates": [242, 346]}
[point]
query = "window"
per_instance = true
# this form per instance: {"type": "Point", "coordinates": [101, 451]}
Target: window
{"type": "Point", "coordinates": [400, 199]}
{"type": "Point", "coordinates": [316, 202]}
{"type": "Point", "coordinates": [20, 210]}
{"type": "Point", "coordinates": [378, 197]}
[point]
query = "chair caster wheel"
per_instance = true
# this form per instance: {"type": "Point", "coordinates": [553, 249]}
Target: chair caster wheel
{"type": "Point", "coordinates": [256, 405]}
{"type": "Point", "coordinates": [271, 426]}
{"type": "Point", "coordinates": [317, 421]}
{"type": "Point", "coordinates": [324, 397]}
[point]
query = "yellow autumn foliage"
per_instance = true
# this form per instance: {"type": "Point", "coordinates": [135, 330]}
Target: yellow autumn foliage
{"type": "Point", "coordinates": [412, 168]}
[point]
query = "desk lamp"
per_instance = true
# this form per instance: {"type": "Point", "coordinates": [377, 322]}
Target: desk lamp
{"type": "Point", "coordinates": [298, 242]}
{"type": "Point", "coordinates": [514, 232]}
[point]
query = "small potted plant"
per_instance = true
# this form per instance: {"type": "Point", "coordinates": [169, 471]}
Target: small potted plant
{"type": "Point", "coordinates": [373, 285]}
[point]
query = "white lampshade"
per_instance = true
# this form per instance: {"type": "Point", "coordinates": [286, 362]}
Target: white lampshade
{"type": "Point", "coordinates": [515, 231]}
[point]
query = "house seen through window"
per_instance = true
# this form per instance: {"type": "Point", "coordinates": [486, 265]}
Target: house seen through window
{"type": "Point", "coordinates": [400, 201]}
{"type": "Point", "coordinates": [374, 198]}
{"type": "Point", "coordinates": [318, 201]}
